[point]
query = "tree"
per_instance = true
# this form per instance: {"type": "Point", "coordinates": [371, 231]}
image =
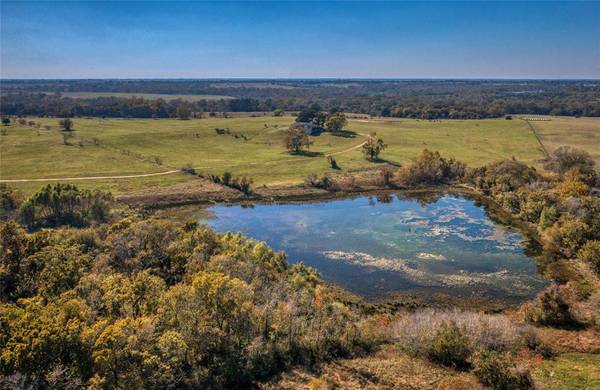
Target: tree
{"type": "Point", "coordinates": [372, 147]}
{"type": "Point", "coordinates": [278, 112]}
{"type": "Point", "coordinates": [296, 138]}
{"type": "Point", "coordinates": [336, 122]}
{"type": "Point", "coordinates": [6, 121]}
{"type": "Point", "coordinates": [66, 124]}
{"type": "Point", "coordinates": [65, 204]}
{"type": "Point", "coordinates": [313, 115]}
{"type": "Point", "coordinates": [573, 164]}
{"type": "Point", "coordinates": [590, 253]}
{"type": "Point", "coordinates": [183, 112]}
{"type": "Point", "coordinates": [430, 168]}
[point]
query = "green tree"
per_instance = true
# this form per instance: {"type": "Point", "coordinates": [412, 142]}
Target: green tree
{"type": "Point", "coordinates": [59, 268]}
{"type": "Point", "coordinates": [13, 249]}
{"type": "Point", "coordinates": [5, 121]}
{"type": "Point", "coordinates": [313, 115]}
{"type": "Point", "coordinates": [296, 138]}
{"type": "Point", "coordinates": [65, 204]}
{"type": "Point", "coordinates": [372, 147]}
{"type": "Point", "coordinates": [336, 122]}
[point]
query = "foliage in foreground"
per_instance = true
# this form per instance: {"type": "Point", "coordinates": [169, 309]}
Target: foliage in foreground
{"type": "Point", "coordinates": [146, 304]}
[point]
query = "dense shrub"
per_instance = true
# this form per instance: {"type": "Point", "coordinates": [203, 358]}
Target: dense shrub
{"type": "Point", "coordinates": [450, 337]}
{"type": "Point", "coordinates": [590, 253]}
{"type": "Point", "coordinates": [313, 180]}
{"type": "Point", "coordinates": [553, 307]}
{"type": "Point", "coordinates": [529, 204]}
{"type": "Point", "coordinates": [450, 347]}
{"type": "Point", "coordinates": [565, 237]}
{"type": "Point", "coordinates": [502, 176]}
{"type": "Point", "coordinates": [189, 169]}
{"type": "Point", "coordinates": [548, 217]}
{"type": "Point", "coordinates": [9, 200]}
{"type": "Point", "coordinates": [572, 188]}
{"type": "Point", "coordinates": [572, 163]}
{"type": "Point", "coordinates": [430, 168]}
{"type": "Point", "coordinates": [65, 204]}
{"type": "Point", "coordinates": [499, 371]}
{"type": "Point", "coordinates": [385, 176]}
{"type": "Point", "coordinates": [243, 183]}
{"type": "Point", "coordinates": [574, 273]}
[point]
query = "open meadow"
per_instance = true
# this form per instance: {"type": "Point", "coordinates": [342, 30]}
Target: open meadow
{"type": "Point", "coordinates": [253, 146]}
{"type": "Point", "coordinates": [580, 133]}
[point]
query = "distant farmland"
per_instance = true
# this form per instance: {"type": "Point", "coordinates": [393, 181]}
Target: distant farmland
{"type": "Point", "coordinates": [150, 96]}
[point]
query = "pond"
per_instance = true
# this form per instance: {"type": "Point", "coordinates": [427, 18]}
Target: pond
{"type": "Point", "coordinates": [378, 246]}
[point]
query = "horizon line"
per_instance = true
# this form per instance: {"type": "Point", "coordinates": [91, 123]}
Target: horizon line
{"type": "Point", "coordinates": [595, 78]}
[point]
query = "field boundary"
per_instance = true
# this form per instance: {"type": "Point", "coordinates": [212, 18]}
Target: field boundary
{"type": "Point", "coordinates": [537, 137]}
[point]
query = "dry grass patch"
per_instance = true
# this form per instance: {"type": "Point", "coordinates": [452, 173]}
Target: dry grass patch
{"type": "Point", "coordinates": [386, 369]}
{"type": "Point", "coordinates": [562, 340]}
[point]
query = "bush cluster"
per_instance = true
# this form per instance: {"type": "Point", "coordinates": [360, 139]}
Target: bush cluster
{"type": "Point", "coordinates": [65, 204]}
{"type": "Point", "coordinates": [242, 183]}
{"type": "Point", "coordinates": [430, 168]}
{"type": "Point", "coordinates": [487, 344]}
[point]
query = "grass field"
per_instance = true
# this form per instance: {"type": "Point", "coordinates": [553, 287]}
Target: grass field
{"type": "Point", "coordinates": [570, 371]}
{"type": "Point", "coordinates": [150, 96]}
{"type": "Point", "coordinates": [115, 147]}
{"type": "Point", "coordinates": [581, 133]}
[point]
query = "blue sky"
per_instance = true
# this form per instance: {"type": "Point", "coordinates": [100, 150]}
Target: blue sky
{"type": "Point", "coordinates": [300, 39]}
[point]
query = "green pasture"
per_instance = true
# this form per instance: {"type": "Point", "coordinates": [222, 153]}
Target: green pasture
{"type": "Point", "coordinates": [581, 133]}
{"type": "Point", "coordinates": [253, 147]}
{"type": "Point", "coordinates": [570, 371]}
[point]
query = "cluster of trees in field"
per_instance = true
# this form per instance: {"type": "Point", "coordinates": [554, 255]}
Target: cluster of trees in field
{"type": "Point", "coordinates": [425, 99]}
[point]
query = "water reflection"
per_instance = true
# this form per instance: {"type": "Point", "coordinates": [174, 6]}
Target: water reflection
{"type": "Point", "coordinates": [373, 245]}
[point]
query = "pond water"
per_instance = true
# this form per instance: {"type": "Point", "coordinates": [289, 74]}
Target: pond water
{"type": "Point", "coordinates": [382, 245]}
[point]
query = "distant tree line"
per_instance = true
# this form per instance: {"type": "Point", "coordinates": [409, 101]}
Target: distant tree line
{"type": "Point", "coordinates": [423, 99]}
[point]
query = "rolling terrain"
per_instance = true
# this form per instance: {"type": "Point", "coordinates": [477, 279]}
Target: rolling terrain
{"type": "Point", "coordinates": [125, 155]}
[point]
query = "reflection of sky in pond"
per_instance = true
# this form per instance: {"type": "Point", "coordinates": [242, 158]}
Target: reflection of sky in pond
{"type": "Point", "coordinates": [371, 248]}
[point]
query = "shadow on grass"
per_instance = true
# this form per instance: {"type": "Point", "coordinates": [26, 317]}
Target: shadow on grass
{"type": "Point", "coordinates": [384, 161]}
{"type": "Point", "coordinates": [343, 133]}
{"type": "Point", "coordinates": [308, 153]}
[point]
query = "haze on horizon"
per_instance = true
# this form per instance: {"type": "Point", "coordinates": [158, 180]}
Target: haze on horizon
{"type": "Point", "coordinates": [300, 40]}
